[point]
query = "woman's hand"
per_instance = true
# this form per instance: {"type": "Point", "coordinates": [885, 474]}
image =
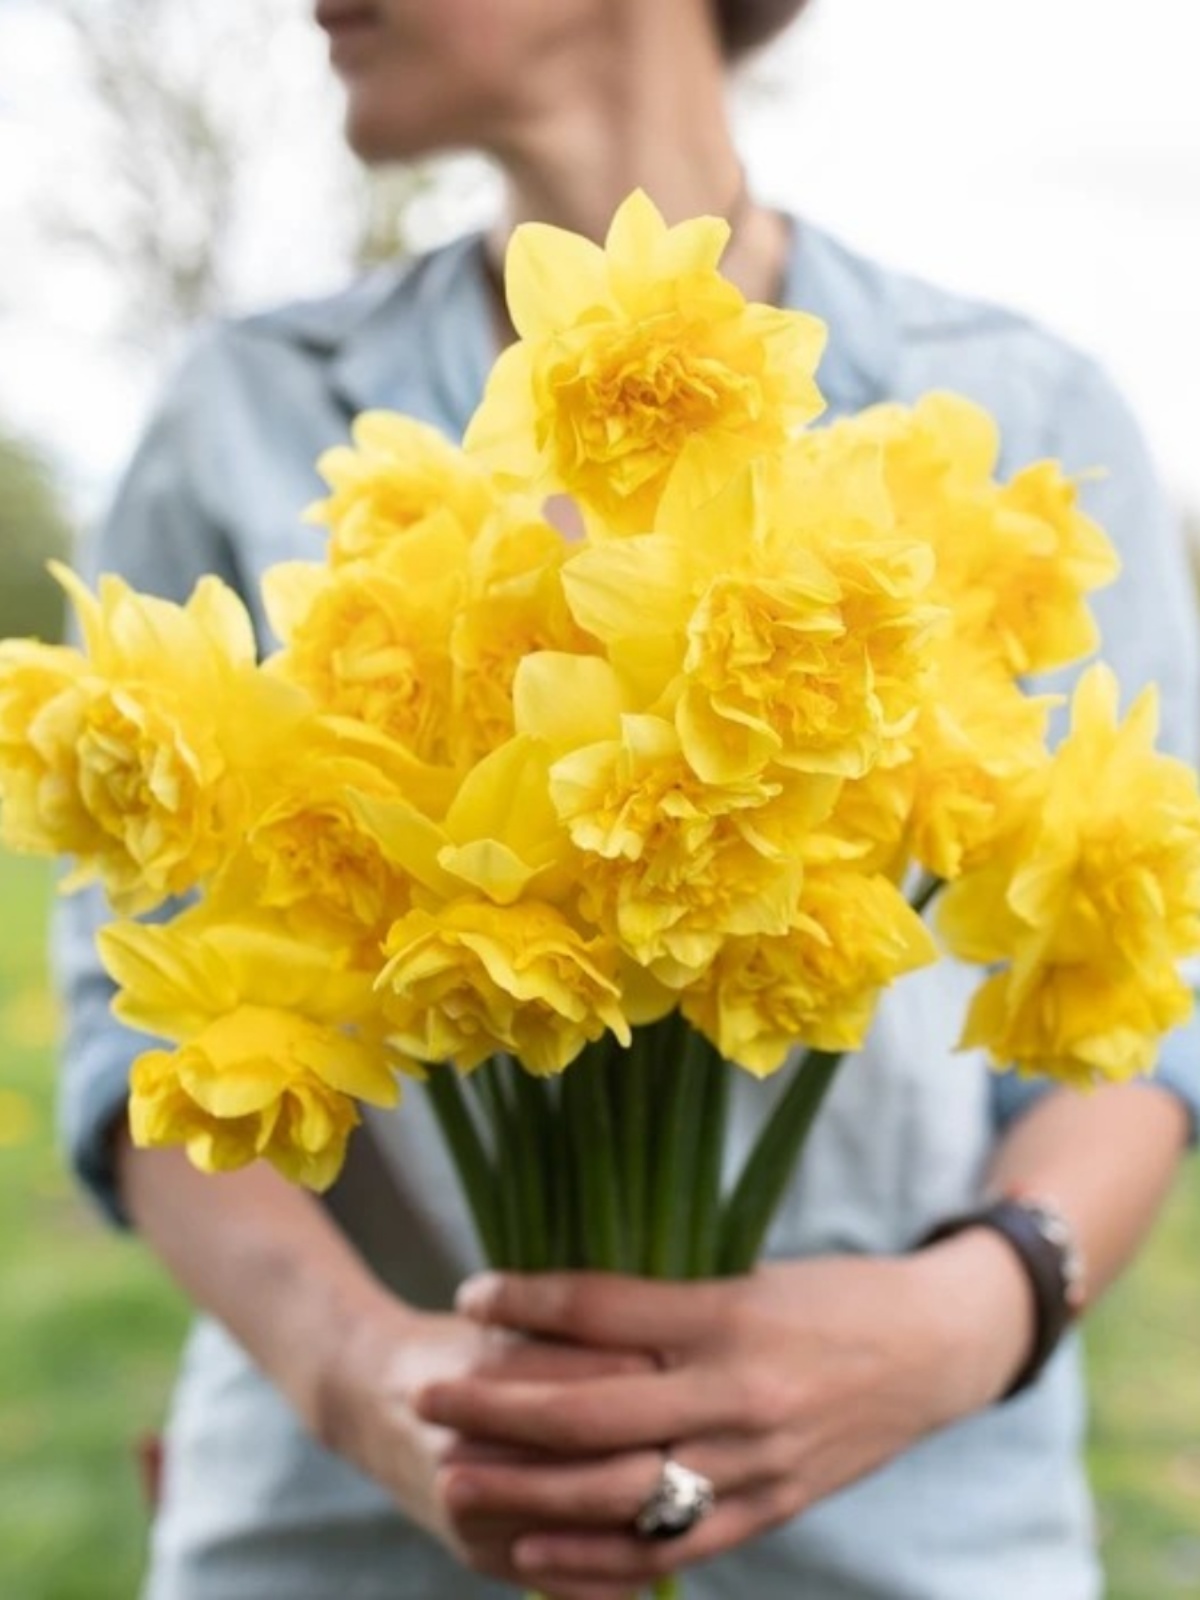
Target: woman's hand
{"type": "Point", "coordinates": [268, 1260]}
{"type": "Point", "coordinates": [781, 1387]}
{"type": "Point", "coordinates": [366, 1415]}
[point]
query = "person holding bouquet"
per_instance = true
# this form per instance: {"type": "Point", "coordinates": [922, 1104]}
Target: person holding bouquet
{"type": "Point", "coordinates": [890, 1405]}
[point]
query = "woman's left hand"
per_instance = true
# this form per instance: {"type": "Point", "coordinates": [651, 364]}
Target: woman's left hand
{"type": "Point", "coordinates": [780, 1387]}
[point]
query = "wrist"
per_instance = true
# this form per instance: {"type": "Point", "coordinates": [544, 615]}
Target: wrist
{"type": "Point", "coordinates": [1042, 1242]}
{"type": "Point", "coordinates": [984, 1317]}
{"type": "Point", "coordinates": [357, 1344]}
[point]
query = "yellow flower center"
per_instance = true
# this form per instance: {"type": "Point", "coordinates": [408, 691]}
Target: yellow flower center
{"type": "Point", "coordinates": [630, 406]}
{"type": "Point", "coordinates": [319, 854]}
{"type": "Point", "coordinates": [360, 659]}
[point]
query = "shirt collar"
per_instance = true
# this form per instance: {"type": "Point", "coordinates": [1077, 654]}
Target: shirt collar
{"type": "Point", "coordinates": [850, 296]}
{"type": "Point", "coordinates": [423, 345]}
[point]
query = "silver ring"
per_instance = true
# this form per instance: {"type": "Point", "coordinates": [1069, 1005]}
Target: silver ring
{"type": "Point", "coordinates": [680, 1500]}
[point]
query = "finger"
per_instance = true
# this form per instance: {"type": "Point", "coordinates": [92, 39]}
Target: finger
{"type": "Point", "coordinates": [549, 1559]}
{"type": "Point", "coordinates": [597, 1417]}
{"type": "Point", "coordinates": [606, 1492]}
{"type": "Point", "coordinates": [597, 1308]}
{"type": "Point", "coordinates": [603, 1493]}
{"type": "Point", "coordinates": [514, 1356]}
{"type": "Point", "coordinates": [459, 1451]}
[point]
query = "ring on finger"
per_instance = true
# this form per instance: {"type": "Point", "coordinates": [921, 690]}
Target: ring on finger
{"type": "Point", "coordinates": [680, 1499]}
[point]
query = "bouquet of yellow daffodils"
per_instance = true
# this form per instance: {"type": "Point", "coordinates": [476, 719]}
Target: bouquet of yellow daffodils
{"type": "Point", "coordinates": [571, 830]}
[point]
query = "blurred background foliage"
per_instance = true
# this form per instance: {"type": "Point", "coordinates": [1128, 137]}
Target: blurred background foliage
{"type": "Point", "coordinates": [169, 185]}
{"type": "Point", "coordinates": [89, 1330]}
{"type": "Point", "coordinates": [33, 529]}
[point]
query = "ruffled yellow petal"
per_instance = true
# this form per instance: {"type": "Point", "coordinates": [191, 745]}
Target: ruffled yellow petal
{"type": "Point", "coordinates": [552, 278]}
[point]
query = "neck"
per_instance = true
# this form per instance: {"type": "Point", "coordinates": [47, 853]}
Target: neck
{"type": "Point", "coordinates": [643, 106]}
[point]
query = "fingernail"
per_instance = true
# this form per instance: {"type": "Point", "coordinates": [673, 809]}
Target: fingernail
{"type": "Point", "coordinates": [475, 1294]}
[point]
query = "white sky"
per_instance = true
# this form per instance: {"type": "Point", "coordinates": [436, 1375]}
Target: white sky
{"type": "Point", "coordinates": [1041, 152]}
{"type": "Point", "coordinates": [1045, 153]}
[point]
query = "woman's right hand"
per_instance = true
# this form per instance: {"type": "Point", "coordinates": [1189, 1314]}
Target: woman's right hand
{"type": "Point", "coordinates": [365, 1414]}
{"type": "Point", "coordinates": [267, 1260]}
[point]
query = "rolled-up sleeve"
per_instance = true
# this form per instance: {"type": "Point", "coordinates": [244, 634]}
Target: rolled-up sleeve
{"type": "Point", "coordinates": [1148, 624]}
{"type": "Point", "coordinates": [162, 537]}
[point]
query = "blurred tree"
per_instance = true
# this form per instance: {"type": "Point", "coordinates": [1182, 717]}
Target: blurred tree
{"type": "Point", "coordinates": [172, 190]}
{"type": "Point", "coordinates": [33, 528]}
{"type": "Point", "coordinates": [169, 147]}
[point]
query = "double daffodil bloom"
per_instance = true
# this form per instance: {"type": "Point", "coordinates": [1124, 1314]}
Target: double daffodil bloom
{"type": "Point", "coordinates": [630, 353]}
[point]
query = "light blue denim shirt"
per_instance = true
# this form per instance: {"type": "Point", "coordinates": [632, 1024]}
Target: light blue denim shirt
{"type": "Point", "coordinates": [991, 1509]}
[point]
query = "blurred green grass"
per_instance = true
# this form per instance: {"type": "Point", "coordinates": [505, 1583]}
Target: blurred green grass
{"type": "Point", "coordinates": [89, 1332]}
{"type": "Point", "coordinates": [88, 1328]}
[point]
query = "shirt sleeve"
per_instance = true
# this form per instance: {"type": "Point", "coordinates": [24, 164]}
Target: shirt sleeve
{"type": "Point", "coordinates": [1148, 627]}
{"type": "Point", "coordinates": [161, 536]}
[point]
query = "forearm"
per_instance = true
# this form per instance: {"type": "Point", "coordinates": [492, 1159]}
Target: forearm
{"type": "Point", "coordinates": [1106, 1160]}
{"type": "Point", "coordinates": [261, 1256]}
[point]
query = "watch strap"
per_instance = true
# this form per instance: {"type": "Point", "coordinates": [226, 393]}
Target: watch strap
{"type": "Point", "coordinates": [1042, 1241]}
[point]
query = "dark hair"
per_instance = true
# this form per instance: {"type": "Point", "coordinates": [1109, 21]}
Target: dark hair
{"type": "Point", "coordinates": [743, 25]}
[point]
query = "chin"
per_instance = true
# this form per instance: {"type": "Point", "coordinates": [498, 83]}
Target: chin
{"type": "Point", "coordinates": [372, 144]}
{"type": "Point", "coordinates": [377, 135]}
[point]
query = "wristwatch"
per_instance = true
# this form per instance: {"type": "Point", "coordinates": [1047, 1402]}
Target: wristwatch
{"type": "Point", "coordinates": [1046, 1247]}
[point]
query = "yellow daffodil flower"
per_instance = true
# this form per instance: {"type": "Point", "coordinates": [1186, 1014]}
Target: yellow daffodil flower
{"type": "Point", "coordinates": [500, 836]}
{"type": "Point", "coordinates": [980, 762]}
{"type": "Point", "coordinates": [1099, 895]}
{"type": "Point", "coordinates": [370, 640]}
{"type": "Point", "coordinates": [671, 866]}
{"type": "Point", "coordinates": [514, 607]}
{"type": "Point", "coordinates": [476, 978]}
{"type": "Point", "coordinates": [141, 754]}
{"type": "Point", "coordinates": [816, 985]}
{"type": "Point", "coordinates": [627, 354]}
{"type": "Point", "coordinates": [398, 476]}
{"type": "Point", "coordinates": [277, 1037]}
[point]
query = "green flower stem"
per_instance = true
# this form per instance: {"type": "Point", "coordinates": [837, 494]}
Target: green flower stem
{"type": "Point", "coordinates": [771, 1162]}
{"type": "Point", "coordinates": [591, 1144]}
{"type": "Point", "coordinates": [925, 892]}
{"type": "Point", "coordinates": [538, 1142]}
{"type": "Point", "coordinates": [471, 1159]}
{"type": "Point", "coordinates": [633, 1090]}
{"type": "Point", "coordinates": [520, 1160]}
{"type": "Point", "coordinates": [769, 1166]}
{"type": "Point", "coordinates": [567, 1228]}
{"type": "Point", "coordinates": [493, 1098]}
{"type": "Point", "coordinates": [678, 1110]}
{"type": "Point", "coordinates": [712, 1092]}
